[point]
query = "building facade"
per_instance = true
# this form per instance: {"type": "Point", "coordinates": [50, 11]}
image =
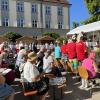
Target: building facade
{"type": "Point", "coordinates": [34, 17]}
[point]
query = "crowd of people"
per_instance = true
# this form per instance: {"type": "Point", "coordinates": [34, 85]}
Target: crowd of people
{"type": "Point", "coordinates": [35, 60]}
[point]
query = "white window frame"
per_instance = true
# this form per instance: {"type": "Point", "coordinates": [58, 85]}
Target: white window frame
{"type": "Point", "coordinates": [20, 6]}
{"type": "Point", "coordinates": [48, 10]}
{"type": "Point", "coordinates": [48, 24]}
{"type": "Point", "coordinates": [60, 11]}
{"type": "Point", "coordinates": [34, 23]}
{"type": "Point", "coordinates": [60, 24]}
{"type": "Point", "coordinates": [5, 21]}
{"type": "Point", "coordinates": [34, 8]}
{"type": "Point", "coordinates": [20, 22]}
{"type": "Point", "coordinates": [4, 5]}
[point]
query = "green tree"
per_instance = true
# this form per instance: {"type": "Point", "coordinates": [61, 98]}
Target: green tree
{"type": "Point", "coordinates": [94, 10]}
{"type": "Point", "coordinates": [12, 36]}
{"type": "Point", "coordinates": [60, 39]}
{"type": "Point", "coordinates": [75, 24]}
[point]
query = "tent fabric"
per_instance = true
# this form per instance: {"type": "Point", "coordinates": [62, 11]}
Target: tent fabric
{"type": "Point", "coordinates": [46, 38]}
{"type": "Point", "coordinates": [86, 28]}
{"type": "Point", "coordinates": [26, 39]}
{"type": "Point", "coordinates": [3, 39]}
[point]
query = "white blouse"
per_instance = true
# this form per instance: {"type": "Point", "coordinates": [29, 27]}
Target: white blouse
{"type": "Point", "coordinates": [30, 71]}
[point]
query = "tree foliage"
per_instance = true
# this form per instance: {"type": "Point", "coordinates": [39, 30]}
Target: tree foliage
{"type": "Point", "coordinates": [12, 36]}
{"type": "Point", "coordinates": [53, 35]}
{"type": "Point", "coordinates": [75, 24]}
{"type": "Point", "coordinates": [94, 10]}
{"type": "Point", "coordinates": [60, 39]}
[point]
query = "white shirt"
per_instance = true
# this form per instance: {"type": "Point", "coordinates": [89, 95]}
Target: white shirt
{"type": "Point", "coordinates": [47, 64]}
{"type": "Point", "coordinates": [46, 46]}
{"type": "Point", "coordinates": [20, 45]}
{"type": "Point", "coordinates": [30, 71]}
{"type": "Point", "coordinates": [51, 46]}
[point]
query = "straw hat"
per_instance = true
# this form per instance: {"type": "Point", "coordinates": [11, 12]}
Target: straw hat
{"type": "Point", "coordinates": [32, 56]}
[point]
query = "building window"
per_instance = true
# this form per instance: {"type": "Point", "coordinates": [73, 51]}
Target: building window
{"type": "Point", "coordinates": [34, 8]}
{"type": "Point", "coordinates": [4, 5]}
{"type": "Point", "coordinates": [47, 10]}
{"type": "Point", "coordinates": [60, 25]}
{"type": "Point", "coordinates": [20, 7]}
{"type": "Point", "coordinates": [48, 24]}
{"type": "Point", "coordinates": [60, 10]}
{"type": "Point", "coordinates": [5, 22]}
{"type": "Point", "coordinates": [34, 23]}
{"type": "Point", "coordinates": [20, 22]}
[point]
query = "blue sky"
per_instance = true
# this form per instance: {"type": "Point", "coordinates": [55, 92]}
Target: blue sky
{"type": "Point", "coordinates": [78, 11]}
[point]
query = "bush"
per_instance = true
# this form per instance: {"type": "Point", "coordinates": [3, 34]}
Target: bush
{"type": "Point", "coordinates": [12, 36]}
{"type": "Point", "coordinates": [61, 39]}
{"type": "Point", "coordinates": [98, 53]}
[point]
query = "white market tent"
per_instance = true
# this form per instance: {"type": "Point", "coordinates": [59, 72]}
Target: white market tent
{"type": "Point", "coordinates": [95, 26]}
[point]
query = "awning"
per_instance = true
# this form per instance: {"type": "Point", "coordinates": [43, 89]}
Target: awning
{"type": "Point", "coordinates": [86, 28]}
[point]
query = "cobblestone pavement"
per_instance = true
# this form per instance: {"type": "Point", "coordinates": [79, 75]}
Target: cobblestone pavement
{"type": "Point", "coordinates": [70, 92]}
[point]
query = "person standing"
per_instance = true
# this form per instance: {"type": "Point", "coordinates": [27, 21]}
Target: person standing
{"type": "Point", "coordinates": [57, 51]}
{"type": "Point", "coordinates": [91, 67]}
{"type": "Point", "coordinates": [81, 49]}
{"type": "Point", "coordinates": [64, 56]}
{"type": "Point", "coordinates": [71, 50]}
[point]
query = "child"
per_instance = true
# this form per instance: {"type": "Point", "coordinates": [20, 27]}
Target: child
{"type": "Point", "coordinates": [90, 66]}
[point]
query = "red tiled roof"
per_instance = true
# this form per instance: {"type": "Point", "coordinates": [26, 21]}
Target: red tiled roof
{"type": "Point", "coordinates": [56, 1]}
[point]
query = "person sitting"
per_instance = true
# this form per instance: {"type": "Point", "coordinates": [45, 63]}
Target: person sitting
{"type": "Point", "coordinates": [31, 73]}
{"type": "Point", "coordinates": [6, 92]}
{"type": "Point", "coordinates": [47, 62]}
{"type": "Point", "coordinates": [20, 60]}
{"type": "Point", "coordinates": [40, 55]}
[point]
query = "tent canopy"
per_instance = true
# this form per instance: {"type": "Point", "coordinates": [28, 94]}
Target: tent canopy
{"type": "Point", "coordinates": [3, 39]}
{"type": "Point", "coordinates": [86, 28]}
{"type": "Point", "coordinates": [26, 39]}
{"type": "Point", "coordinates": [45, 39]}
